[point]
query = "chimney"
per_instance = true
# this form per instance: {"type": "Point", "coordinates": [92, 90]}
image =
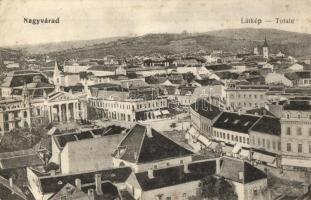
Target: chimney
{"type": "Point", "coordinates": [150, 174]}
{"type": "Point", "coordinates": [98, 184]}
{"type": "Point", "coordinates": [78, 183]}
{"type": "Point", "coordinates": [306, 188]}
{"type": "Point", "coordinates": [217, 165]}
{"type": "Point", "coordinates": [68, 192]}
{"type": "Point", "coordinates": [241, 175]}
{"type": "Point", "coordinates": [135, 155]}
{"type": "Point", "coordinates": [186, 169]}
{"type": "Point", "coordinates": [53, 172]}
{"type": "Point", "coordinates": [11, 182]}
{"type": "Point", "coordinates": [148, 131]}
{"type": "Point", "coordinates": [90, 194]}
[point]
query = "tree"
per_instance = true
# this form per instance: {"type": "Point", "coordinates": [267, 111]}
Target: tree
{"type": "Point", "coordinates": [173, 125]}
{"type": "Point", "coordinates": [189, 77]}
{"type": "Point", "coordinates": [217, 188]}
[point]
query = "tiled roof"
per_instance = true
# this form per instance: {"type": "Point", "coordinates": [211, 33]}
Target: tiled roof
{"type": "Point", "coordinates": [231, 168]}
{"type": "Point", "coordinates": [175, 175]}
{"type": "Point", "coordinates": [52, 184]}
{"type": "Point", "coordinates": [19, 159]}
{"type": "Point", "coordinates": [269, 125]}
{"type": "Point", "coordinates": [235, 122]}
{"type": "Point", "coordinates": [8, 192]}
{"type": "Point", "coordinates": [142, 148]}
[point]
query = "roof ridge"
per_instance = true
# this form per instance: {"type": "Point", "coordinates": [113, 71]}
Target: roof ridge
{"type": "Point", "coordinates": [140, 146]}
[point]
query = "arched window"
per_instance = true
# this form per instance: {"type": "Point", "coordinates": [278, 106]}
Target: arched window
{"type": "Point", "coordinates": [25, 114]}
{"type": "Point", "coordinates": [287, 116]}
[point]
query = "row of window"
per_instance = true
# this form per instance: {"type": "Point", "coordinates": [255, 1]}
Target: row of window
{"type": "Point", "coordinates": [250, 96]}
{"type": "Point", "coordinates": [231, 137]}
{"type": "Point", "coordinates": [289, 148]}
{"type": "Point", "coordinates": [123, 106]}
{"type": "Point", "coordinates": [298, 116]}
{"type": "Point", "coordinates": [298, 131]}
{"type": "Point", "coordinates": [266, 143]}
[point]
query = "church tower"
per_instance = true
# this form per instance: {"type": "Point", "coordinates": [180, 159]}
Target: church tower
{"type": "Point", "coordinates": [265, 49]}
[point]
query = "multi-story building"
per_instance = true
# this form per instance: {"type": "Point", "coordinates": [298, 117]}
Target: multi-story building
{"type": "Point", "coordinates": [131, 110]}
{"type": "Point", "coordinates": [232, 129]}
{"type": "Point", "coordinates": [265, 141]}
{"type": "Point", "coordinates": [246, 96]}
{"type": "Point", "coordinates": [203, 115]}
{"type": "Point", "coordinates": [296, 134]}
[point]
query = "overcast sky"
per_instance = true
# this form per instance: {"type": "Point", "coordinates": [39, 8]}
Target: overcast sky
{"type": "Point", "coordinates": [82, 20]}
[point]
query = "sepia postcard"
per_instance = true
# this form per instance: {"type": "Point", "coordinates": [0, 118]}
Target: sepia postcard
{"type": "Point", "coordinates": [155, 100]}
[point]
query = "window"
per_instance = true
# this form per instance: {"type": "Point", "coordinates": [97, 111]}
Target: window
{"type": "Point", "coordinates": [247, 140]}
{"type": "Point", "coordinates": [263, 142]}
{"type": "Point", "coordinates": [289, 147]}
{"type": "Point", "coordinates": [287, 116]}
{"type": "Point", "coordinates": [168, 198]}
{"type": "Point", "coordinates": [228, 136]}
{"type": "Point", "coordinates": [299, 132]}
{"type": "Point", "coordinates": [288, 131]}
{"type": "Point", "coordinates": [181, 161]}
{"type": "Point", "coordinates": [298, 116]}
{"type": "Point", "coordinates": [240, 138]}
{"type": "Point", "coordinates": [309, 148]}
{"type": "Point", "coordinates": [244, 140]}
{"type": "Point", "coordinates": [273, 145]}
{"type": "Point", "coordinates": [258, 141]}
{"type": "Point", "coordinates": [279, 146]}
{"type": "Point", "coordinates": [268, 144]}
{"type": "Point", "coordinates": [299, 148]}
{"type": "Point", "coordinates": [232, 137]}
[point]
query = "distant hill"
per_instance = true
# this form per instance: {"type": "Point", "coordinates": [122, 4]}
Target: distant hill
{"type": "Point", "coordinates": [296, 44]}
{"type": "Point", "coordinates": [62, 46]}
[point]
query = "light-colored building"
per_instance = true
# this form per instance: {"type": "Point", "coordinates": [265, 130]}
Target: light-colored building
{"type": "Point", "coordinates": [246, 96]}
{"type": "Point", "coordinates": [277, 78]}
{"type": "Point", "coordinates": [265, 141]}
{"type": "Point", "coordinates": [144, 148]}
{"type": "Point", "coordinates": [296, 134]}
{"type": "Point", "coordinates": [249, 183]}
{"type": "Point", "coordinates": [130, 110]}
{"type": "Point", "coordinates": [174, 183]}
{"type": "Point", "coordinates": [232, 129]}
{"type": "Point", "coordinates": [94, 145]}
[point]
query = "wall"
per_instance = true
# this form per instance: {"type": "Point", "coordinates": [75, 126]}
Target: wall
{"type": "Point", "coordinates": [176, 192]}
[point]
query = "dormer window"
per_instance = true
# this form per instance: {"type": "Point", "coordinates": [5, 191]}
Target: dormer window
{"type": "Point", "coordinates": [226, 120]}
{"type": "Point", "coordinates": [236, 121]}
{"type": "Point", "coordinates": [246, 123]}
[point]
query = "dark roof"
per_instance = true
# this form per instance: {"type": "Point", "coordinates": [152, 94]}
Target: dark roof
{"type": "Point", "coordinates": [20, 159]}
{"type": "Point", "coordinates": [141, 148]}
{"type": "Point", "coordinates": [259, 111]}
{"type": "Point", "coordinates": [205, 109]}
{"type": "Point", "coordinates": [205, 82]}
{"type": "Point", "coordinates": [175, 175]}
{"type": "Point", "coordinates": [235, 122]}
{"type": "Point", "coordinates": [52, 184]}
{"type": "Point", "coordinates": [297, 105]}
{"type": "Point", "coordinates": [218, 67]}
{"type": "Point", "coordinates": [62, 139]}
{"type": "Point", "coordinates": [230, 169]}
{"type": "Point", "coordinates": [8, 192]}
{"type": "Point", "coordinates": [269, 125]}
